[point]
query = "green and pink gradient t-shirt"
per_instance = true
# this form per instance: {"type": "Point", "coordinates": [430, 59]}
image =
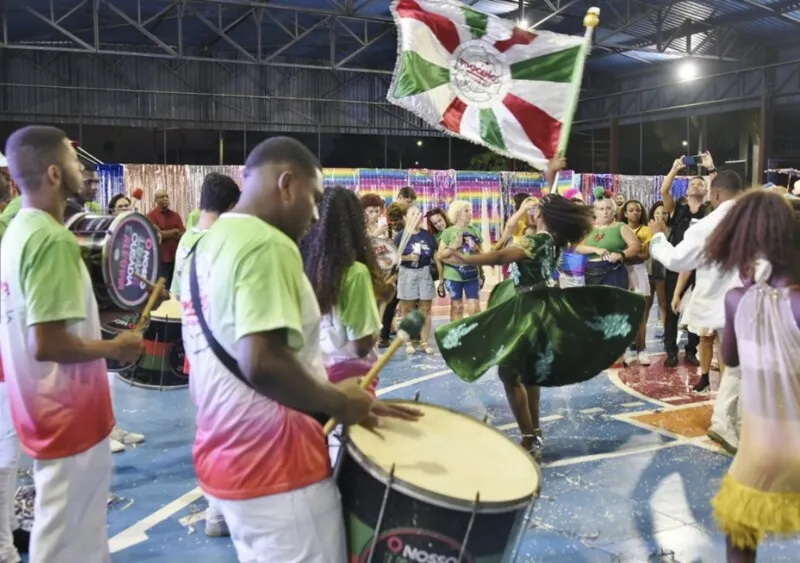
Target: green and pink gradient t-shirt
{"type": "Point", "coordinates": [59, 410]}
{"type": "Point", "coordinates": [251, 280]}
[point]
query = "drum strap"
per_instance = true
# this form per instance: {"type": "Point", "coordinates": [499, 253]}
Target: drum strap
{"type": "Point", "coordinates": [222, 355]}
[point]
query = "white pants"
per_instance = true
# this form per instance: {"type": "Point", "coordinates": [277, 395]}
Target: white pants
{"type": "Point", "coordinates": [9, 459]}
{"type": "Point", "coordinates": [71, 508]}
{"type": "Point", "coordinates": [301, 526]}
{"type": "Point", "coordinates": [726, 418]}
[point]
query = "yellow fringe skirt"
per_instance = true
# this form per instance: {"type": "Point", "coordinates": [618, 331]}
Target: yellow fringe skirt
{"type": "Point", "coordinates": [747, 515]}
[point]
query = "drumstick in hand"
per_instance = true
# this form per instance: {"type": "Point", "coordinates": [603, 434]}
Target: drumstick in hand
{"type": "Point", "coordinates": [155, 293]}
{"type": "Point", "coordinates": [409, 329]}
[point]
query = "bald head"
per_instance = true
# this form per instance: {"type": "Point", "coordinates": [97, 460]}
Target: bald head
{"type": "Point", "coordinates": [162, 199]}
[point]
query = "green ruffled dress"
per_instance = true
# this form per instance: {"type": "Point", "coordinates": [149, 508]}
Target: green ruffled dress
{"type": "Point", "coordinates": [551, 336]}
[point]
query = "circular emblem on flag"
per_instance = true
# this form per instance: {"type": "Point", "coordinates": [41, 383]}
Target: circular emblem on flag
{"type": "Point", "coordinates": [479, 74]}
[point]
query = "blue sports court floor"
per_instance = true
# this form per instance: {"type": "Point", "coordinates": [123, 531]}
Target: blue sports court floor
{"type": "Point", "coordinates": [616, 487]}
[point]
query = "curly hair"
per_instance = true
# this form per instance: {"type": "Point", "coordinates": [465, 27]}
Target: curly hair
{"type": "Point", "coordinates": [396, 217]}
{"type": "Point", "coordinates": [457, 207]}
{"type": "Point", "coordinates": [336, 242]}
{"type": "Point", "coordinates": [621, 212]}
{"type": "Point", "coordinates": [567, 222]}
{"type": "Point", "coordinates": [436, 211]}
{"type": "Point", "coordinates": [762, 224]}
{"type": "Point", "coordinates": [372, 200]}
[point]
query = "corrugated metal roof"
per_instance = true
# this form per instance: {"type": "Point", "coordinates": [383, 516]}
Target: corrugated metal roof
{"type": "Point", "coordinates": [749, 22]}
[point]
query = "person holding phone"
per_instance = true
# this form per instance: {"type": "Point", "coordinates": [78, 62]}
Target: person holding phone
{"type": "Point", "coordinates": [682, 213]}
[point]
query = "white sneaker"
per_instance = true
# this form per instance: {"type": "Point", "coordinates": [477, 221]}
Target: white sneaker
{"type": "Point", "coordinates": [644, 358]}
{"type": "Point", "coordinates": [216, 527]}
{"type": "Point", "coordinates": [117, 446]}
{"type": "Point", "coordinates": [630, 357]}
{"type": "Point", "coordinates": [127, 438]}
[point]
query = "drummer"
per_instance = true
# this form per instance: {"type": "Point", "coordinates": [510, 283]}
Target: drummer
{"type": "Point", "coordinates": [263, 460]}
{"type": "Point", "coordinates": [218, 194]}
{"type": "Point", "coordinates": [54, 355]}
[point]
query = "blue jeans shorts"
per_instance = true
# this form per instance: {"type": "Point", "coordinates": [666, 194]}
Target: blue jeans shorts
{"type": "Point", "coordinates": [458, 289]}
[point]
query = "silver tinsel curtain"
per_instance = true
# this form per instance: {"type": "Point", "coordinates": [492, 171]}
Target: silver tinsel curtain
{"type": "Point", "coordinates": [181, 182]}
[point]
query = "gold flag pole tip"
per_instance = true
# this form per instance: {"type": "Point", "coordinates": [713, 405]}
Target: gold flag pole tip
{"type": "Point", "coordinates": [592, 18]}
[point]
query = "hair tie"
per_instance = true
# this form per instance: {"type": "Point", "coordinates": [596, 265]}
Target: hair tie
{"type": "Point", "coordinates": [762, 271]}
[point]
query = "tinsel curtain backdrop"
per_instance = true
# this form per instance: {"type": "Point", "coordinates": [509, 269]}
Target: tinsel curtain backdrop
{"type": "Point", "coordinates": [490, 193]}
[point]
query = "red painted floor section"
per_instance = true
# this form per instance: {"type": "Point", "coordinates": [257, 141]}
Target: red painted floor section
{"type": "Point", "coordinates": [669, 385]}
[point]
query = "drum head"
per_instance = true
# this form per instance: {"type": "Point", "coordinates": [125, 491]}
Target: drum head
{"type": "Point", "coordinates": [132, 248]}
{"type": "Point", "coordinates": [168, 311]}
{"type": "Point", "coordinates": [448, 454]}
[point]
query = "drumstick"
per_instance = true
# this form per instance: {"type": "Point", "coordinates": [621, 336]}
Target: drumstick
{"type": "Point", "coordinates": [407, 234]}
{"type": "Point", "coordinates": [151, 302]}
{"type": "Point", "coordinates": [409, 328]}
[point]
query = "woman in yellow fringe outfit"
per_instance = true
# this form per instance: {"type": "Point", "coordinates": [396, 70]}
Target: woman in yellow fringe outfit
{"type": "Point", "coordinates": [760, 495]}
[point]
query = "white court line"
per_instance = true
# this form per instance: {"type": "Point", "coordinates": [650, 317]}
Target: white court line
{"type": "Point", "coordinates": [411, 382]}
{"type": "Point", "coordinates": [633, 404]}
{"type": "Point", "coordinates": [513, 425]}
{"type": "Point", "coordinates": [612, 455]}
{"type": "Point", "coordinates": [613, 376]}
{"type": "Point", "coordinates": [595, 410]}
{"type": "Point", "coordinates": [138, 532]}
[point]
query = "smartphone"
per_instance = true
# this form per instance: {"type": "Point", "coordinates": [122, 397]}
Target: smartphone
{"type": "Point", "coordinates": [691, 160]}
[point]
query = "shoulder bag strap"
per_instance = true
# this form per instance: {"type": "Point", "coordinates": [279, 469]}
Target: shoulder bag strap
{"type": "Point", "coordinates": [222, 355]}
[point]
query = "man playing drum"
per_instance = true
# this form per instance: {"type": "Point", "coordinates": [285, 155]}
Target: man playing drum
{"type": "Point", "coordinates": [54, 355]}
{"type": "Point", "coordinates": [256, 453]}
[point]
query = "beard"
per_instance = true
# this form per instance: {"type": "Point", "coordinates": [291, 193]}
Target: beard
{"type": "Point", "coordinates": [71, 187]}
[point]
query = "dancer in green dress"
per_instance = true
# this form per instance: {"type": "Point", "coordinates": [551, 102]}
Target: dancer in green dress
{"type": "Point", "coordinates": [537, 334]}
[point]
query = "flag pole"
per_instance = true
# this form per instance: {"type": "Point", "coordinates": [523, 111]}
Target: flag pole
{"type": "Point", "coordinates": [591, 20]}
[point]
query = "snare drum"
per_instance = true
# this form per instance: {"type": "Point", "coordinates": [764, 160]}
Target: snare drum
{"type": "Point", "coordinates": [162, 364]}
{"type": "Point", "coordinates": [446, 488]}
{"type": "Point", "coordinates": [114, 248]}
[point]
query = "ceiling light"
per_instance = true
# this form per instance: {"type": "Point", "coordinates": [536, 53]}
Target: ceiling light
{"type": "Point", "coordinates": [687, 71]}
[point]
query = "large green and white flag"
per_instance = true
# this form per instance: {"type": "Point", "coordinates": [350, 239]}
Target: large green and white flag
{"type": "Point", "coordinates": [483, 79]}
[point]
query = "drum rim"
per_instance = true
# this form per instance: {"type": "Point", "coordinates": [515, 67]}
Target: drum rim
{"type": "Point", "coordinates": [443, 501]}
{"type": "Point", "coordinates": [105, 268]}
{"type": "Point", "coordinates": [166, 320]}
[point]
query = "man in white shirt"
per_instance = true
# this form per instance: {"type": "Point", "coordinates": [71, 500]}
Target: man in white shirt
{"type": "Point", "coordinates": [259, 456]}
{"type": "Point", "coordinates": [54, 354]}
{"type": "Point", "coordinates": [708, 297]}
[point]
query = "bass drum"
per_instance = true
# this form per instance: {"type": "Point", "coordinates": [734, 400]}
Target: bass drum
{"type": "Point", "coordinates": [446, 488]}
{"type": "Point", "coordinates": [115, 248]}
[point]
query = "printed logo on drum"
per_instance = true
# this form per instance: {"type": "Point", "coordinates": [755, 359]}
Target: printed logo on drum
{"type": "Point", "coordinates": [411, 545]}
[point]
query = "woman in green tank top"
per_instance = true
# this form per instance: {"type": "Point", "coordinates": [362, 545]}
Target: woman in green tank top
{"type": "Point", "coordinates": [607, 247]}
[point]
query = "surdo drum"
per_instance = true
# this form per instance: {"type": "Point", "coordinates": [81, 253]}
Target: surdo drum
{"type": "Point", "coordinates": [115, 248]}
{"type": "Point", "coordinates": [161, 365]}
{"type": "Point", "coordinates": [444, 489]}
